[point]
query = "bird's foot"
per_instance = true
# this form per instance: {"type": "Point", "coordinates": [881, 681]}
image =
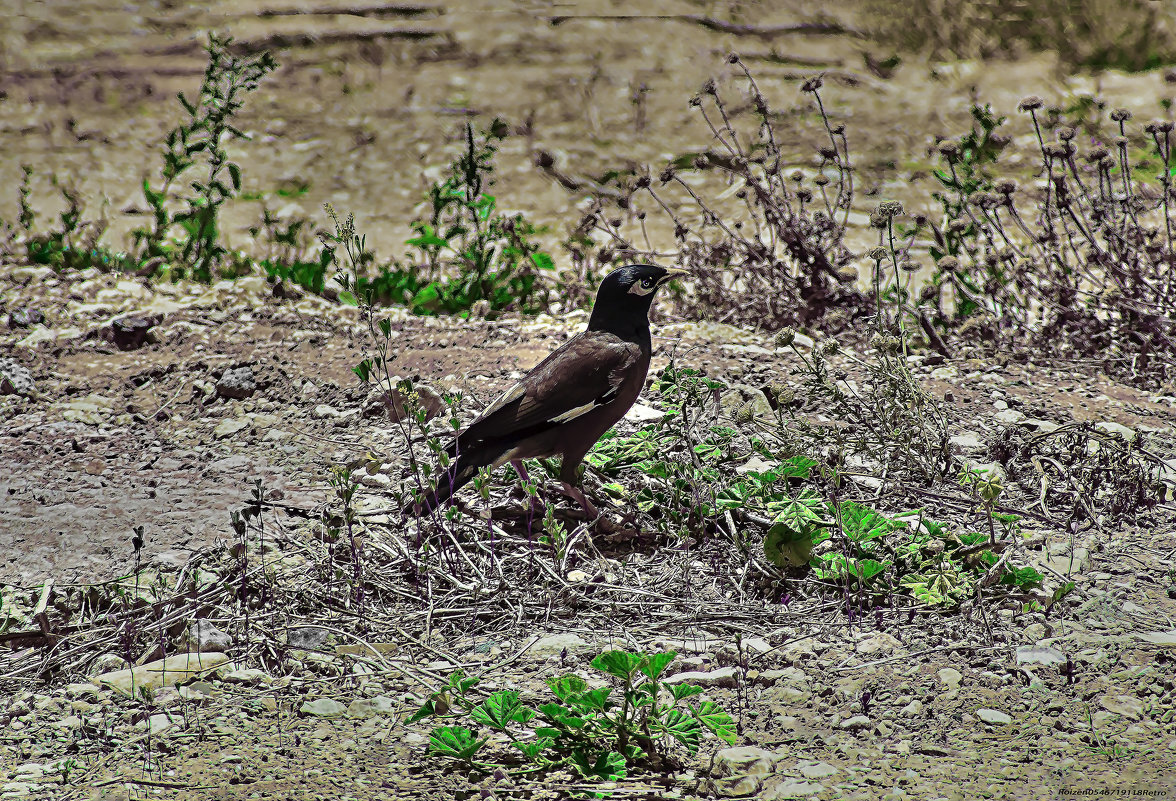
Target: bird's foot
{"type": "Point", "coordinates": [577, 495]}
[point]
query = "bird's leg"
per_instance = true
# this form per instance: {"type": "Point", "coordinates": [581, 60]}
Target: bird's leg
{"type": "Point", "coordinates": [520, 468]}
{"type": "Point", "coordinates": [537, 506]}
{"type": "Point", "coordinates": [577, 495]}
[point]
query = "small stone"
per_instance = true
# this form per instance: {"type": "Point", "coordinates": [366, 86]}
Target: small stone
{"type": "Point", "coordinates": [323, 708]}
{"type": "Point", "coordinates": [577, 576]}
{"type": "Point", "coordinates": [882, 642]}
{"type": "Point", "coordinates": [1039, 655]}
{"type": "Point", "coordinates": [130, 333]}
{"type": "Point", "coordinates": [639, 413]}
{"type": "Point", "coordinates": [1126, 705]}
{"type": "Point", "coordinates": [856, 723]}
{"type": "Point", "coordinates": [735, 786]}
{"type": "Point", "coordinates": [25, 317]}
{"type": "Point", "coordinates": [203, 636]}
{"type": "Point", "coordinates": [791, 789]}
{"type": "Point", "coordinates": [370, 707]}
{"type": "Point", "coordinates": [968, 442]}
{"type": "Point", "coordinates": [228, 428]}
{"type": "Point", "coordinates": [1164, 639]}
{"type": "Point", "coordinates": [1110, 427]}
{"type": "Point", "coordinates": [744, 760]}
{"type": "Point", "coordinates": [723, 677]}
{"type": "Point", "coordinates": [950, 676]}
{"type": "Point", "coordinates": [993, 716]}
{"type": "Point", "coordinates": [912, 710]}
{"type": "Point", "coordinates": [1009, 417]}
{"type": "Point", "coordinates": [15, 379]}
{"type": "Point", "coordinates": [238, 383]}
{"type": "Point", "coordinates": [817, 770]}
{"type": "Point", "coordinates": [556, 644]}
{"type": "Point", "coordinates": [161, 673]}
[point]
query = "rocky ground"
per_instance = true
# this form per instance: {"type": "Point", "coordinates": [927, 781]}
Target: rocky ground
{"type": "Point", "coordinates": [135, 418]}
{"type": "Point", "coordinates": [108, 439]}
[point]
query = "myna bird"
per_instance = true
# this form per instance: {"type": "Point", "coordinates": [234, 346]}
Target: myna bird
{"type": "Point", "coordinates": [567, 402]}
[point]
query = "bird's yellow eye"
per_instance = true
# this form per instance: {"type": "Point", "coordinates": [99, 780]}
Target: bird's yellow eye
{"type": "Point", "coordinates": [647, 283]}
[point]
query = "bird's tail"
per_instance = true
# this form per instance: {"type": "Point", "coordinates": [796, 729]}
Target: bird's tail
{"type": "Point", "coordinates": [460, 472]}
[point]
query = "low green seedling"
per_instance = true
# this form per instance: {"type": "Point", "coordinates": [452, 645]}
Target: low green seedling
{"type": "Point", "coordinates": [600, 733]}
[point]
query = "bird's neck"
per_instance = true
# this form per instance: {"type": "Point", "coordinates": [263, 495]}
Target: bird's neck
{"type": "Point", "coordinates": [629, 328]}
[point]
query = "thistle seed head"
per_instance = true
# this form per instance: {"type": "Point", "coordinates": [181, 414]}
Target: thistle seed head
{"type": "Point", "coordinates": [812, 84]}
{"type": "Point", "coordinates": [948, 264]}
{"type": "Point", "coordinates": [1120, 115]}
{"type": "Point", "coordinates": [1030, 103]}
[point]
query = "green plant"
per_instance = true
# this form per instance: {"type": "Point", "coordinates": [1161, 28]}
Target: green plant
{"type": "Point", "coordinates": [187, 240]}
{"type": "Point", "coordinates": [588, 729]}
{"type": "Point", "coordinates": [467, 253]}
{"type": "Point", "coordinates": [75, 244]}
{"type": "Point", "coordinates": [287, 256]}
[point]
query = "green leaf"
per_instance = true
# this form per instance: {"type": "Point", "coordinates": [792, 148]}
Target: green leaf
{"type": "Point", "coordinates": [542, 261]}
{"type": "Point", "coordinates": [348, 299]}
{"type": "Point", "coordinates": [621, 664]}
{"type": "Point", "coordinates": [712, 716]}
{"type": "Point", "coordinates": [428, 709]}
{"type": "Point", "coordinates": [501, 709]}
{"type": "Point", "coordinates": [609, 766]}
{"type": "Point", "coordinates": [568, 686]}
{"type": "Point", "coordinates": [363, 370]}
{"type": "Point", "coordinates": [531, 750]}
{"type": "Point", "coordinates": [682, 691]}
{"type": "Point", "coordinates": [789, 542]}
{"type": "Point", "coordinates": [235, 174]}
{"type": "Point", "coordinates": [862, 524]}
{"type": "Point", "coordinates": [562, 717]}
{"type": "Point", "coordinates": [427, 240]}
{"type": "Point", "coordinates": [684, 728]}
{"type": "Point", "coordinates": [865, 569]}
{"type": "Point", "coordinates": [654, 664]}
{"type": "Point", "coordinates": [455, 741]}
{"type": "Point", "coordinates": [385, 326]}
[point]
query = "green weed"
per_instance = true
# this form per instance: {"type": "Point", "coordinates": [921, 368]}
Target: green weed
{"type": "Point", "coordinates": [593, 731]}
{"type": "Point", "coordinates": [187, 240]}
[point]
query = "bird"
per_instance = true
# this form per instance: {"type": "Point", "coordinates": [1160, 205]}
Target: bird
{"type": "Point", "coordinates": [570, 399]}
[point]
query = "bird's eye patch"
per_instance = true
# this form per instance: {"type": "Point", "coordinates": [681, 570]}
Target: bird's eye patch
{"type": "Point", "coordinates": [648, 282]}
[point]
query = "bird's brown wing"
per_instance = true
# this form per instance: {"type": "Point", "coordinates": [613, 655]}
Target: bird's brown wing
{"type": "Point", "coordinates": [583, 374]}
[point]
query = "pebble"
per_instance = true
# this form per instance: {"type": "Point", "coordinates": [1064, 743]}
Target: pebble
{"type": "Point", "coordinates": [237, 384]}
{"type": "Point", "coordinates": [993, 716]}
{"type": "Point", "coordinates": [723, 677]}
{"type": "Point", "coordinates": [556, 644]}
{"type": "Point", "coordinates": [323, 708]}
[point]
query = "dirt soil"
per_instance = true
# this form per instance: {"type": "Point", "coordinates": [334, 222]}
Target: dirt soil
{"type": "Point", "coordinates": [115, 439]}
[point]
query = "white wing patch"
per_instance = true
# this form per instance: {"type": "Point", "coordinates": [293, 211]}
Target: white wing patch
{"type": "Point", "coordinates": [572, 414]}
{"type": "Point", "coordinates": [512, 394]}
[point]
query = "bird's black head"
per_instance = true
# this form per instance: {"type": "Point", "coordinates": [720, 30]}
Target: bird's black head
{"type": "Point", "coordinates": [625, 295]}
